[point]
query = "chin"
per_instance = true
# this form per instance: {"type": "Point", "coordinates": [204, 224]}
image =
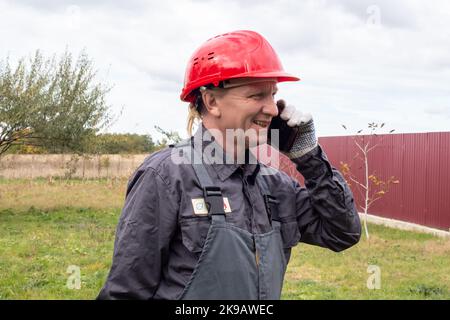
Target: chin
{"type": "Point", "coordinates": [259, 139]}
{"type": "Point", "coordinates": [250, 137]}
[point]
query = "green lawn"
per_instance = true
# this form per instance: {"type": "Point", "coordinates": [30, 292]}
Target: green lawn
{"type": "Point", "coordinates": [39, 243]}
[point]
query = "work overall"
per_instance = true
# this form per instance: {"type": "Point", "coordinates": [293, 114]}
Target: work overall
{"type": "Point", "coordinates": [234, 263]}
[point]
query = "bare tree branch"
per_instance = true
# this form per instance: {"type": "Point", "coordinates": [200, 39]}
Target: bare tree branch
{"type": "Point", "coordinates": [357, 182]}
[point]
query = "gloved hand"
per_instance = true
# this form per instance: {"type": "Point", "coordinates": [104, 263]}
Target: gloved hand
{"type": "Point", "coordinates": [297, 135]}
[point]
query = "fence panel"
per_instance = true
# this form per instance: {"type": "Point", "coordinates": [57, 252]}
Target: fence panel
{"type": "Point", "coordinates": [420, 161]}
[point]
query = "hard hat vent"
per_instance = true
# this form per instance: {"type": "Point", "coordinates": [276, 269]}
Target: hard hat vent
{"type": "Point", "coordinates": [210, 56]}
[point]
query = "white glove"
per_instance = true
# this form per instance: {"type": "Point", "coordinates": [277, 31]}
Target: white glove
{"type": "Point", "coordinates": [294, 117]}
{"type": "Point", "coordinates": [305, 135]}
{"type": "Point", "coordinates": [296, 131]}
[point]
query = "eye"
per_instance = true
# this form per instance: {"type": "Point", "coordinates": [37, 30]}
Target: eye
{"type": "Point", "coordinates": [256, 96]}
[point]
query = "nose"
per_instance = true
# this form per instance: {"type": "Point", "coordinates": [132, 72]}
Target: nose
{"type": "Point", "coordinates": [270, 107]}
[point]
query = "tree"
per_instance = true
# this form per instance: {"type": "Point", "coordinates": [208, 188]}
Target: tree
{"type": "Point", "coordinates": [116, 143]}
{"type": "Point", "coordinates": [169, 137]}
{"type": "Point", "coordinates": [373, 187]}
{"type": "Point", "coordinates": [51, 103]}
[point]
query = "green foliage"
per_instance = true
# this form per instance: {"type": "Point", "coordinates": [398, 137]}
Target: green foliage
{"type": "Point", "coordinates": [169, 137]}
{"type": "Point", "coordinates": [105, 143]}
{"type": "Point", "coordinates": [115, 143]}
{"type": "Point", "coordinates": [50, 103]}
{"type": "Point", "coordinates": [26, 149]}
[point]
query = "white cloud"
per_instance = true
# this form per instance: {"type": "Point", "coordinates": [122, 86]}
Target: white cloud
{"type": "Point", "coordinates": [352, 71]}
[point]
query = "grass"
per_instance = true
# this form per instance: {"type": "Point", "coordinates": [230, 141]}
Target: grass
{"type": "Point", "coordinates": [412, 265]}
{"type": "Point", "coordinates": [22, 194]}
{"type": "Point", "coordinates": [58, 225]}
{"type": "Point", "coordinates": [37, 247]}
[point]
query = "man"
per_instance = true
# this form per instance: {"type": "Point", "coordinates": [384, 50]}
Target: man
{"type": "Point", "coordinates": [218, 228]}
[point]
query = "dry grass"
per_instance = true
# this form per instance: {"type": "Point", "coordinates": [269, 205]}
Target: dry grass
{"type": "Point", "coordinates": [28, 166]}
{"type": "Point", "coordinates": [56, 193]}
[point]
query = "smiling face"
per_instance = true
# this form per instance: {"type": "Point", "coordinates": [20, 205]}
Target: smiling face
{"type": "Point", "coordinates": [249, 107]}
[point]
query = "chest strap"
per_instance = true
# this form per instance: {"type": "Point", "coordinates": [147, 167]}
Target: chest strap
{"type": "Point", "coordinates": [211, 193]}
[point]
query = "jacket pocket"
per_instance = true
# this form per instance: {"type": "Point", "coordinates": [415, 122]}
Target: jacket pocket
{"type": "Point", "coordinates": [194, 231]}
{"type": "Point", "coordinates": [290, 233]}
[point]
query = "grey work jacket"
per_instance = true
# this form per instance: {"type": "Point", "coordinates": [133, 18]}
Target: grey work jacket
{"type": "Point", "coordinates": [159, 236]}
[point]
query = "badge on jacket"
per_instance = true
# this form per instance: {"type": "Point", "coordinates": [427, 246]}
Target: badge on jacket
{"type": "Point", "coordinates": [200, 208]}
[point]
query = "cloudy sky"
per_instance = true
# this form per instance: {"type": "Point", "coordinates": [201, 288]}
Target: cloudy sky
{"type": "Point", "coordinates": [359, 61]}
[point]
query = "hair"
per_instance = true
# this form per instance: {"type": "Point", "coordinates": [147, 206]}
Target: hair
{"type": "Point", "coordinates": [194, 111]}
{"type": "Point", "coordinates": [197, 108]}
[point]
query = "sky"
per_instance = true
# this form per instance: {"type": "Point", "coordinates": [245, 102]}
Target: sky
{"type": "Point", "coordinates": [360, 61]}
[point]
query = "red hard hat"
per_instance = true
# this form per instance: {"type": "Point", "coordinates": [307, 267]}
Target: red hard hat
{"type": "Point", "coordinates": [238, 54]}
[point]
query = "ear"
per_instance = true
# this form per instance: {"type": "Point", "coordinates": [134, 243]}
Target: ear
{"type": "Point", "coordinates": [211, 104]}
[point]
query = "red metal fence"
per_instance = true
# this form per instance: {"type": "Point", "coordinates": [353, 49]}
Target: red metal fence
{"type": "Point", "coordinates": [421, 163]}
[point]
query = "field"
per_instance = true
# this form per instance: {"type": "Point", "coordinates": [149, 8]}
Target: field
{"type": "Point", "coordinates": [48, 225]}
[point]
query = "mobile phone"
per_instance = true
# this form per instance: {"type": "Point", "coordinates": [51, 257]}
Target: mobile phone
{"type": "Point", "coordinates": [286, 134]}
